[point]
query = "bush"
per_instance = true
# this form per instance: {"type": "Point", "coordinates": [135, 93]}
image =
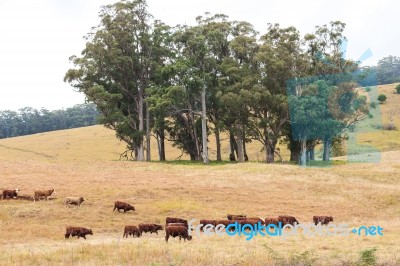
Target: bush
{"type": "Point", "coordinates": [367, 257]}
{"type": "Point", "coordinates": [382, 98]}
{"type": "Point", "coordinates": [370, 115]}
{"type": "Point", "coordinates": [398, 89]}
{"type": "Point", "coordinates": [368, 89]}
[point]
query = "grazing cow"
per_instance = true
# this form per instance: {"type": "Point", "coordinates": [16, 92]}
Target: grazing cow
{"type": "Point", "coordinates": [205, 222]}
{"type": "Point", "coordinates": [169, 220]}
{"type": "Point", "coordinates": [322, 219]}
{"type": "Point", "coordinates": [235, 216]}
{"type": "Point", "coordinates": [73, 201]}
{"type": "Point", "coordinates": [272, 220]}
{"type": "Point", "coordinates": [152, 228]}
{"type": "Point", "coordinates": [77, 231]}
{"type": "Point", "coordinates": [43, 194]}
{"type": "Point", "coordinates": [131, 230]}
{"type": "Point", "coordinates": [252, 221]}
{"type": "Point", "coordinates": [174, 231]}
{"type": "Point", "coordinates": [287, 219]}
{"type": "Point", "coordinates": [119, 205]}
{"type": "Point", "coordinates": [10, 193]}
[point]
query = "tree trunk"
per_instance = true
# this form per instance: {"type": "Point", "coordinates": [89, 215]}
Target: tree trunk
{"type": "Point", "coordinates": [312, 154]}
{"type": "Point", "coordinates": [140, 152]}
{"type": "Point", "coordinates": [233, 145]}
{"type": "Point", "coordinates": [303, 152]}
{"type": "Point", "coordinates": [148, 137]}
{"type": "Point", "coordinates": [204, 126]}
{"type": "Point", "coordinates": [218, 143]}
{"type": "Point", "coordinates": [197, 154]}
{"type": "Point", "coordinates": [327, 147]}
{"type": "Point", "coordinates": [239, 136]}
{"type": "Point", "coordinates": [270, 150]}
{"type": "Point", "coordinates": [295, 151]}
{"type": "Point", "coordinates": [246, 158]}
{"type": "Point", "coordinates": [161, 144]}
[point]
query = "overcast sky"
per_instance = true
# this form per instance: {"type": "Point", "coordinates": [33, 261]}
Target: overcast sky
{"type": "Point", "coordinates": [37, 37]}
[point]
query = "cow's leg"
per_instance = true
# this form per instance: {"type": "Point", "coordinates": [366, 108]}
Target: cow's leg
{"type": "Point", "coordinates": [84, 236]}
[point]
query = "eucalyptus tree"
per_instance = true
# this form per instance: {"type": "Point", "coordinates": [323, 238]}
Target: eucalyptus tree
{"type": "Point", "coordinates": [239, 75]}
{"type": "Point", "coordinates": [280, 58]}
{"type": "Point", "coordinates": [115, 69]}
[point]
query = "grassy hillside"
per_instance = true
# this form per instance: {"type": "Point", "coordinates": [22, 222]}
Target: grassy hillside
{"type": "Point", "coordinates": [83, 162]}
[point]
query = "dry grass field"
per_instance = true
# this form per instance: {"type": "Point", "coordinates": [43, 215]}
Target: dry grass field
{"type": "Point", "coordinates": [84, 162]}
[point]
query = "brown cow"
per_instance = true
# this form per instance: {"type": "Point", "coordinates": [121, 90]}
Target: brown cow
{"type": "Point", "coordinates": [235, 216]}
{"type": "Point", "coordinates": [119, 205]}
{"type": "Point", "coordinates": [43, 193]}
{"type": "Point", "coordinates": [174, 231]}
{"type": "Point", "coordinates": [152, 228]}
{"type": "Point", "coordinates": [322, 219]}
{"type": "Point", "coordinates": [169, 220]}
{"type": "Point", "coordinates": [77, 231]}
{"type": "Point", "coordinates": [10, 193]}
{"type": "Point", "coordinates": [205, 222]}
{"type": "Point", "coordinates": [272, 220]}
{"type": "Point", "coordinates": [287, 219]}
{"type": "Point", "coordinates": [131, 230]}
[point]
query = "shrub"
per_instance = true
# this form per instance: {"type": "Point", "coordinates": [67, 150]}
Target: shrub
{"type": "Point", "coordinates": [367, 257]}
{"type": "Point", "coordinates": [370, 115]}
{"type": "Point", "coordinates": [382, 98]}
{"type": "Point", "coordinates": [368, 89]}
{"type": "Point", "coordinates": [398, 89]}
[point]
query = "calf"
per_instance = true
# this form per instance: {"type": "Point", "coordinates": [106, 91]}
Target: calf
{"type": "Point", "coordinates": [77, 231]}
{"type": "Point", "coordinates": [119, 205]}
{"type": "Point", "coordinates": [131, 230]}
{"type": "Point", "coordinates": [287, 219]}
{"type": "Point", "coordinates": [174, 231]}
{"type": "Point", "coordinates": [73, 201]}
{"type": "Point", "coordinates": [152, 228]}
{"type": "Point", "coordinates": [43, 194]}
{"type": "Point", "coordinates": [322, 219]}
{"type": "Point", "coordinates": [10, 193]}
{"type": "Point", "coordinates": [169, 220]}
{"type": "Point", "coordinates": [235, 216]}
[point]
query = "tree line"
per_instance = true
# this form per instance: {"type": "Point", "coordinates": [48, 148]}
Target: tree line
{"type": "Point", "coordinates": [28, 120]}
{"type": "Point", "coordinates": [387, 71]}
{"type": "Point", "coordinates": [183, 83]}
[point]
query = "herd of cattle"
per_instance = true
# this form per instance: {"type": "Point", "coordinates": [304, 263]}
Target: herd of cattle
{"type": "Point", "coordinates": [174, 227]}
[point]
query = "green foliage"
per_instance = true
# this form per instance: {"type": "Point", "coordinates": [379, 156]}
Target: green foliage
{"type": "Point", "coordinates": [368, 89]}
{"type": "Point", "coordinates": [132, 62]}
{"type": "Point", "coordinates": [388, 70]}
{"type": "Point", "coordinates": [27, 121]}
{"type": "Point", "coordinates": [367, 257]}
{"type": "Point", "coordinates": [372, 105]}
{"type": "Point", "coordinates": [398, 89]}
{"type": "Point", "coordinates": [382, 98]}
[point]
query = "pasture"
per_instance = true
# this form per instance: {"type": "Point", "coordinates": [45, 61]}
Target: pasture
{"type": "Point", "coordinates": [83, 162]}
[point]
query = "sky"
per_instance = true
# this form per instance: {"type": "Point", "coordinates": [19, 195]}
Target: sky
{"type": "Point", "coordinates": [38, 37]}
